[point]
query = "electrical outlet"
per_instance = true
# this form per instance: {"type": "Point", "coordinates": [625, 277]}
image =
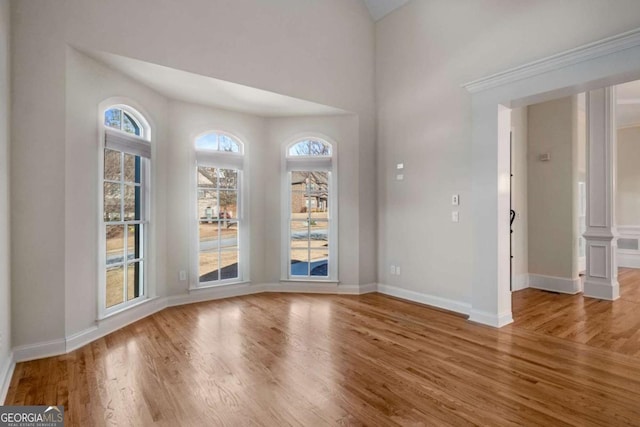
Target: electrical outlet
{"type": "Point", "coordinates": [455, 216]}
{"type": "Point", "coordinates": [392, 270]}
{"type": "Point", "coordinates": [398, 270]}
{"type": "Point", "coordinates": [399, 177]}
{"type": "Point", "coordinates": [455, 200]}
{"type": "Point", "coordinates": [183, 275]}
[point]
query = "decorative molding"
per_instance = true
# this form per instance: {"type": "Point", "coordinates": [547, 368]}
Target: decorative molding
{"type": "Point", "coordinates": [628, 231]}
{"type": "Point", "coordinates": [602, 290]}
{"type": "Point", "coordinates": [24, 353]}
{"type": "Point", "coordinates": [567, 58]}
{"type": "Point", "coordinates": [6, 372]}
{"type": "Point", "coordinates": [628, 258]}
{"type": "Point", "coordinates": [432, 300]}
{"type": "Point", "coordinates": [490, 319]}
{"type": "Point", "coordinates": [562, 285]}
{"type": "Point", "coordinates": [520, 282]}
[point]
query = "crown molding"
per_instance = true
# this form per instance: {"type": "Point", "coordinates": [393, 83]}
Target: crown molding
{"type": "Point", "coordinates": [570, 57]}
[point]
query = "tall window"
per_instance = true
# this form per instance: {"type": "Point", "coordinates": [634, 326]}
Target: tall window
{"type": "Point", "coordinates": [311, 244]}
{"type": "Point", "coordinates": [126, 163]}
{"type": "Point", "coordinates": [218, 206]}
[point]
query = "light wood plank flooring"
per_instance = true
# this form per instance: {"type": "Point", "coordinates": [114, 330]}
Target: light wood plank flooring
{"type": "Point", "coordinates": [314, 360]}
{"type": "Point", "coordinates": [613, 326]}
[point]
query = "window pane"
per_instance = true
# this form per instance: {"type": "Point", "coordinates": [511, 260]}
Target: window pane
{"type": "Point", "coordinates": [111, 202]}
{"type": "Point", "coordinates": [228, 205]}
{"type": "Point", "coordinates": [131, 203]}
{"type": "Point", "coordinates": [134, 241]}
{"type": "Point", "coordinates": [229, 263]}
{"type": "Point", "coordinates": [208, 266]}
{"type": "Point", "coordinates": [207, 177]}
{"type": "Point", "coordinates": [299, 262]}
{"type": "Point", "coordinates": [318, 194]}
{"type": "Point", "coordinates": [115, 285]}
{"type": "Point", "coordinates": [319, 234]}
{"type": "Point", "coordinates": [228, 234]}
{"type": "Point", "coordinates": [228, 178]}
{"type": "Point", "coordinates": [207, 142]}
{"type": "Point", "coordinates": [115, 244]}
{"type": "Point", "coordinates": [227, 144]}
{"type": "Point", "coordinates": [134, 280]}
{"type": "Point", "coordinates": [319, 148]}
{"type": "Point", "coordinates": [299, 234]}
{"type": "Point", "coordinates": [112, 118]}
{"type": "Point", "coordinates": [112, 165]}
{"type": "Point", "coordinates": [319, 263]}
{"type": "Point", "coordinates": [300, 149]}
{"type": "Point", "coordinates": [129, 125]}
{"type": "Point", "coordinates": [131, 168]}
{"type": "Point", "coordinates": [208, 205]}
{"type": "Point", "coordinates": [208, 235]}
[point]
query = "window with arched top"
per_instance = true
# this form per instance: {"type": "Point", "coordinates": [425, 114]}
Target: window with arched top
{"type": "Point", "coordinates": [215, 141]}
{"type": "Point", "coordinates": [221, 249]}
{"type": "Point", "coordinates": [310, 148]}
{"type": "Point", "coordinates": [310, 237]}
{"type": "Point", "coordinates": [126, 162]}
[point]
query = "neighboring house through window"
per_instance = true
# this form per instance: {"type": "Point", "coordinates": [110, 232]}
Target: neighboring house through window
{"type": "Point", "coordinates": [311, 244]}
{"type": "Point", "coordinates": [220, 252]}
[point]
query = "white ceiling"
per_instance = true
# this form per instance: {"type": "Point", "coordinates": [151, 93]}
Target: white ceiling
{"type": "Point", "coordinates": [628, 108]}
{"type": "Point", "coordinates": [195, 88]}
{"type": "Point", "coordinates": [380, 8]}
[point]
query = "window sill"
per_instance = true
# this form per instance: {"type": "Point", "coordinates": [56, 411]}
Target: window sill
{"type": "Point", "coordinates": [219, 285]}
{"type": "Point", "coordinates": [126, 308]}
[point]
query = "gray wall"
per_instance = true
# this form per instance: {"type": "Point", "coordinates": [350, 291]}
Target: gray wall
{"type": "Point", "coordinates": [5, 293]}
{"type": "Point", "coordinates": [628, 185]}
{"type": "Point", "coordinates": [552, 188]}
{"type": "Point", "coordinates": [425, 51]}
{"type": "Point", "coordinates": [275, 47]}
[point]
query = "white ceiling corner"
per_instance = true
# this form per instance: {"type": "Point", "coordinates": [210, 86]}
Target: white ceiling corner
{"type": "Point", "coordinates": [381, 8]}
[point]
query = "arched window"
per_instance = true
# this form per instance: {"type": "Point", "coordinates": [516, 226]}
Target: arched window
{"type": "Point", "coordinates": [220, 226]}
{"type": "Point", "coordinates": [310, 235]}
{"type": "Point", "coordinates": [126, 161]}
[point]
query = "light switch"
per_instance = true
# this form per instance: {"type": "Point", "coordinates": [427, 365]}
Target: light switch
{"type": "Point", "coordinates": [399, 177]}
{"type": "Point", "coordinates": [400, 166]}
{"type": "Point", "coordinates": [455, 217]}
{"type": "Point", "coordinates": [455, 200]}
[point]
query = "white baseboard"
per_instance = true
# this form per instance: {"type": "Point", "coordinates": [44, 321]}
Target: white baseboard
{"type": "Point", "coordinates": [120, 320]}
{"type": "Point", "coordinates": [214, 293]}
{"type": "Point", "coordinates": [555, 284]}
{"type": "Point", "coordinates": [628, 259]}
{"type": "Point", "coordinates": [113, 323]}
{"type": "Point", "coordinates": [520, 282]}
{"type": "Point", "coordinates": [490, 319]}
{"type": "Point", "coordinates": [6, 372]}
{"type": "Point", "coordinates": [24, 353]}
{"type": "Point", "coordinates": [432, 300]}
{"type": "Point", "coordinates": [601, 290]}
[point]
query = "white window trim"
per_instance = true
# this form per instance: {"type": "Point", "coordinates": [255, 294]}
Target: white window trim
{"type": "Point", "coordinates": [309, 163]}
{"type": "Point", "coordinates": [125, 138]}
{"type": "Point", "coordinates": [224, 160]}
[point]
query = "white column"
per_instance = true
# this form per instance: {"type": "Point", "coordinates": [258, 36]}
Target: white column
{"type": "Point", "coordinates": [601, 279]}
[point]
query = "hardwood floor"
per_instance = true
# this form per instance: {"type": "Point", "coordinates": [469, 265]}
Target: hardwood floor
{"type": "Point", "coordinates": [312, 360]}
{"type": "Point", "coordinates": [610, 325]}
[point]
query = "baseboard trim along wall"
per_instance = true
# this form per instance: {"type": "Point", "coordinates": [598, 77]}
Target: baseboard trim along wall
{"type": "Point", "coordinates": [434, 301]}
{"type": "Point", "coordinates": [6, 372]}
{"type": "Point", "coordinates": [491, 319]}
{"type": "Point", "coordinates": [628, 258]}
{"type": "Point", "coordinates": [555, 284]}
{"type": "Point", "coordinates": [153, 305]}
{"type": "Point", "coordinates": [520, 282]}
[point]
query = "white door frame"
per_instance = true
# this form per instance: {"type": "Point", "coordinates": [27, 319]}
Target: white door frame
{"type": "Point", "coordinates": [608, 62]}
